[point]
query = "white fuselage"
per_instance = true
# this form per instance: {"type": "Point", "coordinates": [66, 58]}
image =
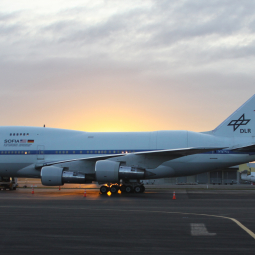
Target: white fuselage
{"type": "Point", "coordinates": [23, 147]}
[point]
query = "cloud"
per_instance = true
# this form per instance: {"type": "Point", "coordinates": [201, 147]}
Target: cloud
{"type": "Point", "coordinates": [163, 28]}
{"type": "Point", "coordinates": [163, 59]}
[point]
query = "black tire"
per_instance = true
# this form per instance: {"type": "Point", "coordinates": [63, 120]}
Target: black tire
{"type": "Point", "coordinates": [128, 189]}
{"type": "Point", "coordinates": [104, 189]}
{"type": "Point", "coordinates": [142, 189]}
{"type": "Point", "coordinates": [138, 189]}
{"type": "Point", "coordinates": [114, 189]}
{"type": "Point", "coordinates": [123, 188]}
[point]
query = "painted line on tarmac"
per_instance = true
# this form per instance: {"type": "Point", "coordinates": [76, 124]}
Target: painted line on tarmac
{"type": "Point", "coordinates": [199, 229]}
{"type": "Point", "coordinates": [234, 220]}
{"type": "Point", "coordinates": [248, 231]}
{"type": "Point", "coordinates": [218, 216]}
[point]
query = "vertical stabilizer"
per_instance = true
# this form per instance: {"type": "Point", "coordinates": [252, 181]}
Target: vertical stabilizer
{"type": "Point", "coordinates": [241, 123]}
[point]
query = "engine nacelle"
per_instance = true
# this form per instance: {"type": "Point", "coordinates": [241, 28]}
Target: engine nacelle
{"type": "Point", "coordinates": [57, 176]}
{"type": "Point", "coordinates": [111, 172]}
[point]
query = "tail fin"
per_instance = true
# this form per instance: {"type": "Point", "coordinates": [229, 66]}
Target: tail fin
{"type": "Point", "coordinates": [241, 123]}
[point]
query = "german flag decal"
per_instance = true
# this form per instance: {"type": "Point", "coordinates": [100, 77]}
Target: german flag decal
{"type": "Point", "coordinates": [30, 141]}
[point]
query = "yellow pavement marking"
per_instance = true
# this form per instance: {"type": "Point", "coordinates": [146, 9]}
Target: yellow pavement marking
{"type": "Point", "coordinates": [218, 216]}
{"type": "Point", "coordinates": [243, 227]}
{"type": "Point", "coordinates": [234, 220]}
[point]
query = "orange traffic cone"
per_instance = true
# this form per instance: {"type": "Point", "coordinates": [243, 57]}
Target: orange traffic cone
{"type": "Point", "coordinates": [174, 197]}
{"type": "Point", "coordinates": [84, 195]}
{"type": "Point", "coordinates": [33, 192]}
{"type": "Point", "coordinates": [59, 188]}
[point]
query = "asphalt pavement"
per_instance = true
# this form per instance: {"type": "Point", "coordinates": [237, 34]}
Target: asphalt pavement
{"type": "Point", "coordinates": [199, 221]}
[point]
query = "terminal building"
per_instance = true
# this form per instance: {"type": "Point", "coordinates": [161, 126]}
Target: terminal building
{"type": "Point", "coordinates": [223, 176]}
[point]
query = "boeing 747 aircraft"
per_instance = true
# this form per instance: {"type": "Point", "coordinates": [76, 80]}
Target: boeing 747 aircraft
{"type": "Point", "coordinates": [122, 160]}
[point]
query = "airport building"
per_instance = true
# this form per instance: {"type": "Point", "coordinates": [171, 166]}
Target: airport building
{"type": "Point", "coordinates": [223, 176]}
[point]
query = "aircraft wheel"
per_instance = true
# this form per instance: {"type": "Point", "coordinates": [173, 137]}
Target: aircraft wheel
{"type": "Point", "coordinates": [104, 189]}
{"type": "Point", "coordinates": [138, 189]}
{"type": "Point", "coordinates": [142, 189]}
{"type": "Point", "coordinates": [123, 188]}
{"type": "Point", "coordinates": [128, 189]}
{"type": "Point", "coordinates": [114, 189]}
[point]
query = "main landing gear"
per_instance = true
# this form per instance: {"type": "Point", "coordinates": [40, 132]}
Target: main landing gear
{"type": "Point", "coordinates": [124, 188]}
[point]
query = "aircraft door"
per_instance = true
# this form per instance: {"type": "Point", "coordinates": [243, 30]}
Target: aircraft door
{"type": "Point", "coordinates": [40, 152]}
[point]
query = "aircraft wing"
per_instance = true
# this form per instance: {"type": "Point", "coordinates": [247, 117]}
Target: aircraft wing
{"type": "Point", "coordinates": [176, 153]}
{"type": "Point", "coordinates": [146, 159]}
{"type": "Point", "coordinates": [152, 159]}
{"type": "Point", "coordinates": [50, 163]}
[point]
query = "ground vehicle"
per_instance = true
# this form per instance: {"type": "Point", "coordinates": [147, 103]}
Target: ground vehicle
{"type": "Point", "coordinates": [9, 183]}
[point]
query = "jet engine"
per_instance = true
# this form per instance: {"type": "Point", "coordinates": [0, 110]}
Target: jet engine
{"type": "Point", "coordinates": [111, 171]}
{"type": "Point", "coordinates": [56, 176]}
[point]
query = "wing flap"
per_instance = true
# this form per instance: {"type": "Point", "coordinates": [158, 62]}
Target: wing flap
{"type": "Point", "coordinates": [179, 152]}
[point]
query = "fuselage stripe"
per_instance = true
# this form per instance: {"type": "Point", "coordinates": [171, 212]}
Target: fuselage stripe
{"type": "Point", "coordinates": [99, 152]}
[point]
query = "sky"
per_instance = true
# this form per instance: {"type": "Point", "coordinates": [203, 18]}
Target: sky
{"type": "Point", "coordinates": [137, 65]}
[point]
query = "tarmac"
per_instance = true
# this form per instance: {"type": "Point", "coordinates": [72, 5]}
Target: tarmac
{"type": "Point", "coordinates": [200, 221]}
